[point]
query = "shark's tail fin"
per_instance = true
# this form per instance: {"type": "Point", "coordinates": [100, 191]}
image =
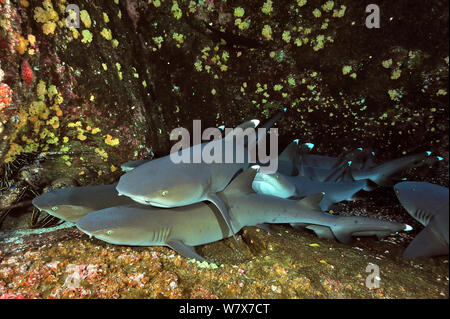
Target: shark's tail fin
{"type": "Point", "coordinates": [383, 174]}
{"type": "Point", "coordinates": [270, 123]}
{"type": "Point", "coordinates": [426, 244]}
{"type": "Point", "coordinates": [274, 119]}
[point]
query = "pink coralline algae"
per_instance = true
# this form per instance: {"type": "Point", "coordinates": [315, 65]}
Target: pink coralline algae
{"type": "Point", "coordinates": [5, 96]}
{"type": "Point", "coordinates": [27, 73]}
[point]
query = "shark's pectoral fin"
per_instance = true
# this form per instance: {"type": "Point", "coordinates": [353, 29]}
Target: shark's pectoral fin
{"type": "Point", "coordinates": [426, 244]}
{"type": "Point", "coordinates": [185, 250]}
{"type": "Point", "coordinates": [220, 204]}
{"type": "Point", "coordinates": [322, 231]}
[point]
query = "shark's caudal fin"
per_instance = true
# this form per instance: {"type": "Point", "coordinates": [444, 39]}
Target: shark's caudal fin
{"type": "Point", "coordinates": [252, 124]}
{"type": "Point", "coordinates": [426, 244]}
{"type": "Point", "coordinates": [271, 122]}
{"type": "Point", "coordinates": [383, 173]}
{"type": "Point", "coordinates": [268, 125]}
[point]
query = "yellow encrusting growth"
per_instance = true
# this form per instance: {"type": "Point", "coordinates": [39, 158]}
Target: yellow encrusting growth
{"type": "Point", "coordinates": [110, 141]}
{"type": "Point", "coordinates": [46, 15]}
{"type": "Point", "coordinates": [396, 74]}
{"type": "Point", "coordinates": [346, 69]}
{"type": "Point", "coordinates": [87, 36]}
{"type": "Point", "coordinates": [176, 11]}
{"type": "Point", "coordinates": [267, 32]}
{"type": "Point", "coordinates": [239, 12]}
{"type": "Point", "coordinates": [386, 63]}
{"type": "Point", "coordinates": [106, 33]}
{"type": "Point", "coordinates": [85, 18]}
{"type": "Point", "coordinates": [267, 7]}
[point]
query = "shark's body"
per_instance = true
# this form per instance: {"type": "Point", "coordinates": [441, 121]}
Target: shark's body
{"type": "Point", "coordinates": [70, 204]}
{"type": "Point", "coordinates": [181, 228]}
{"type": "Point", "coordinates": [427, 203]}
{"type": "Point", "coordinates": [362, 159]}
{"type": "Point", "coordinates": [163, 183]}
{"type": "Point", "coordinates": [381, 174]}
{"type": "Point", "coordinates": [300, 186]}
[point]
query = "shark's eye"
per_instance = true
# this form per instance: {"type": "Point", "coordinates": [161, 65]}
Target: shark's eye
{"type": "Point", "coordinates": [54, 208]}
{"type": "Point", "coordinates": [109, 232]}
{"type": "Point", "coordinates": [164, 193]}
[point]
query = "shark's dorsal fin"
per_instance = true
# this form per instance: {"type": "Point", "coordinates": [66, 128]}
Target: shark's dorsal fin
{"type": "Point", "coordinates": [289, 156]}
{"type": "Point", "coordinates": [242, 183]}
{"type": "Point", "coordinates": [341, 174]}
{"type": "Point", "coordinates": [240, 130]}
{"type": "Point", "coordinates": [348, 176]}
{"type": "Point", "coordinates": [289, 153]}
{"type": "Point", "coordinates": [312, 201]}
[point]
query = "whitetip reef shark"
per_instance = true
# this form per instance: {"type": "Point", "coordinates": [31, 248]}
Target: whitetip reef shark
{"type": "Point", "coordinates": [182, 228]}
{"type": "Point", "coordinates": [331, 169]}
{"type": "Point", "coordinates": [163, 183]}
{"type": "Point", "coordinates": [361, 158]}
{"type": "Point", "coordinates": [72, 203]}
{"type": "Point", "coordinates": [299, 186]}
{"type": "Point", "coordinates": [427, 203]}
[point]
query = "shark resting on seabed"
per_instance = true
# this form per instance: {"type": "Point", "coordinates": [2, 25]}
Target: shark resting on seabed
{"type": "Point", "coordinates": [183, 228]}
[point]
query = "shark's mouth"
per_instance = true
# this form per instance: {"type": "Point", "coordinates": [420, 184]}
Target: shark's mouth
{"type": "Point", "coordinates": [149, 202]}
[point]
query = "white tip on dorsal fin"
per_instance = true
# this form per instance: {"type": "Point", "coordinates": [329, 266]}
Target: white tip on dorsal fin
{"type": "Point", "coordinates": [255, 122]}
{"type": "Point", "coordinates": [242, 183]}
{"type": "Point", "coordinates": [408, 228]}
{"type": "Point", "coordinates": [251, 124]}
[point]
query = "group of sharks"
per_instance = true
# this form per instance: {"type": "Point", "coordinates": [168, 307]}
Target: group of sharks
{"type": "Point", "coordinates": [160, 203]}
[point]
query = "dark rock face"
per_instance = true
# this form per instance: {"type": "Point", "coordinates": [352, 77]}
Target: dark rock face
{"type": "Point", "coordinates": [141, 69]}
